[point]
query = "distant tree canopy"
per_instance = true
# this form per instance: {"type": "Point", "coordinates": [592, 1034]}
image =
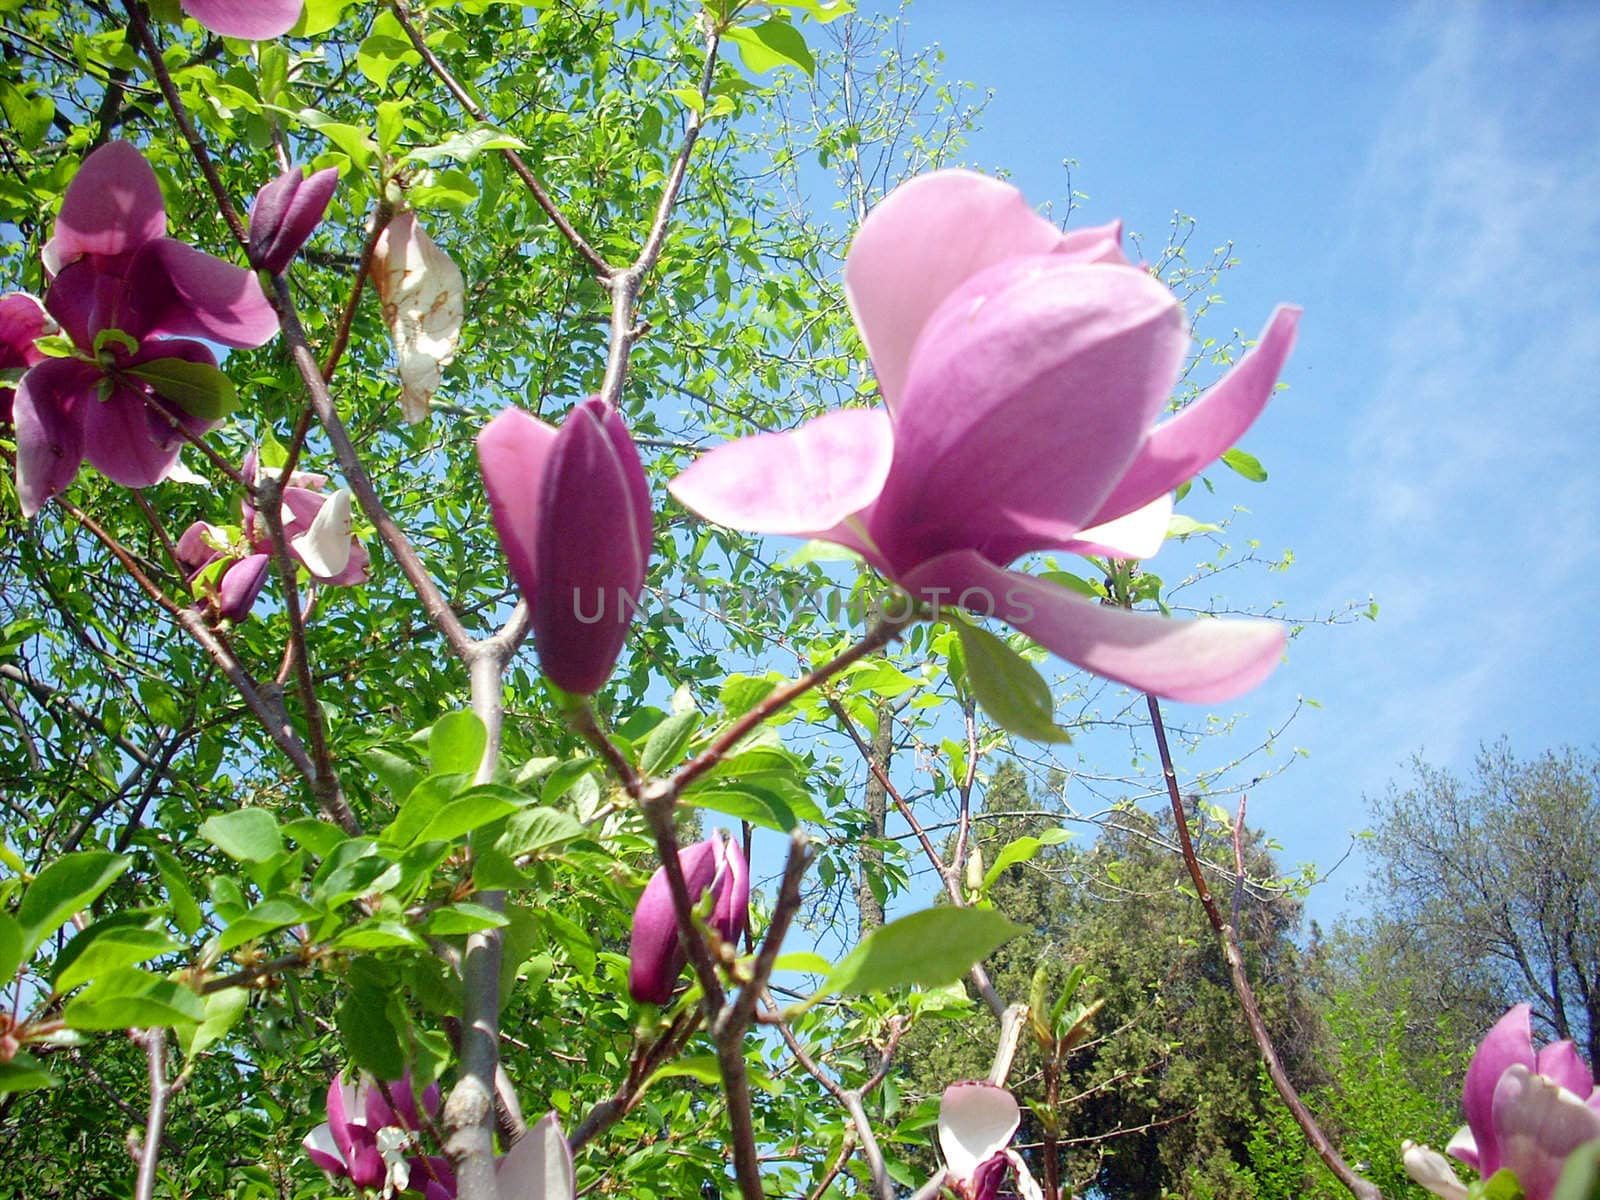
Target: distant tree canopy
{"type": "Point", "coordinates": [1161, 1090]}
{"type": "Point", "coordinates": [1487, 890]}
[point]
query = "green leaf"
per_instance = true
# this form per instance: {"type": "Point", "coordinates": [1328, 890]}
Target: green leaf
{"type": "Point", "coordinates": [196, 387]}
{"type": "Point", "coordinates": [1580, 1177]}
{"type": "Point", "coordinates": [771, 44]}
{"type": "Point", "coordinates": [377, 935]}
{"type": "Point", "coordinates": [185, 912]}
{"type": "Point", "coordinates": [223, 1010]}
{"type": "Point", "coordinates": [397, 774]}
{"type": "Point", "coordinates": [385, 49]}
{"type": "Point", "coordinates": [668, 741]}
{"type": "Point", "coordinates": [10, 949]}
{"type": "Point", "coordinates": [131, 997]}
{"type": "Point", "coordinates": [28, 112]}
{"type": "Point", "coordinates": [61, 889]}
{"type": "Point", "coordinates": [267, 917]}
{"type": "Point", "coordinates": [535, 829]}
{"type": "Point", "coordinates": [427, 798]}
{"type": "Point", "coordinates": [928, 949]}
{"type": "Point", "coordinates": [467, 145]}
{"type": "Point", "coordinates": [881, 678]}
{"type": "Point", "coordinates": [1022, 850]}
{"type": "Point", "coordinates": [755, 805]}
{"type": "Point", "coordinates": [104, 950]}
{"type": "Point", "coordinates": [689, 97]}
{"type": "Point", "coordinates": [23, 1073]}
{"type": "Point", "coordinates": [319, 17]}
{"type": "Point", "coordinates": [246, 835]}
{"type": "Point", "coordinates": [316, 835]}
{"type": "Point", "coordinates": [1180, 526]}
{"type": "Point", "coordinates": [1008, 687]}
{"type": "Point", "coordinates": [703, 1067]}
{"type": "Point", "coordinates": [464, 917]}
{"type": "Point", "coordinates": [470, 810]}
{"type": "Point", "coordinates": [456, 742]}
{"type": "Point", "coordinates": [1247, 465]}
{"type": "Point", "coordinates": [363, 1021]}
{"type": "Point", "coordinates": [741, 693]}
{"type": "Point", "coordinates": [354, 869]}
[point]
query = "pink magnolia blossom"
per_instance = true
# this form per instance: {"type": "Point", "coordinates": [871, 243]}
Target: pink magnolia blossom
{"type": "Point", "coordinates": [130, 298]}
{"type": "Point", "coordinates": [374, 1144]}
{"type": "Point", "coordinates": [976, 1124]}
{"type": "Point", "coordinates": [655, 954]}
{"type": "Point", "coordinates": [256, 20]}
{"type": "Point", "coordinates": [1526, 1112]}
{"type": "Point", "coordinates": [316, 526]}
{"type": "Point", "coordinates": [572, 509]}
{"type": "Point", "coordinates": [285, 213]}
{"type": "Point", "coordinates": [1023, 373]}
{"type": "Point", "coordinates": [23, 321]}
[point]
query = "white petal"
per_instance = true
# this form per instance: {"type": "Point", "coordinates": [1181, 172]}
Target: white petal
{"type": "Point", "coordinates": [1026, 1184]}
{"type": "Point", "coordinates": [1431, 1170]}
{"type": "Point", "coordinates": [325, 547]}
{"type": "Point", "coordinates": [421, 290]}
{"type": "Point", "coordinates": [1138, 534]}
{"type": "Point", "coordinates": [976, 1122]}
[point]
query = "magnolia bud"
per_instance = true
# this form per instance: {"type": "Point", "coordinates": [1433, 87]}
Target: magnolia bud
{"type": "Point", "coordinates": [656, 954]}
{"type": "Point", "coordinates": [284, 214]}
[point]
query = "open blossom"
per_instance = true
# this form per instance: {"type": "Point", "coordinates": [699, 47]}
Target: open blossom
{"type": "Point", "coordinates": [1023, 373]}
{"type": "Point", "coordinates": [976, 1124]}
{"type": "Point", "coordinates": [316, 526]}
{"type": "Point", "coordinates": [256, 20]}
{"type": "Point", "coordinates": [23, 321]}
{"type": "Point", "coordinates": [572, 509]}
{"type": "Point", "coordinates": [372, 1143]}
{"type": "Point", "coordinates": [285, 213]}
{"type": "Point", "coordinates": [1526, 1112]}
{"type": "Point", "coordinates": [655, 954]}
{"type": "Point", "coordinates": [130, 298]}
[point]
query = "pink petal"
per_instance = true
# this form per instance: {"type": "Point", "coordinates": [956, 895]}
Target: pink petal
{"type": "Point", "coordinates": [1431, 1171]}
{"type": "Point", "coordinates": [375, 1108]}
{"type": "Point", "coordinates": [256, 20]}
{"type": "Point", "coordinates": [48, 412]}
{"type": "Point", "coordinates": [513, 451]}
{"type": "Point", "coordinates": [928, 237]}
{"type": "Point", "coordinates": [22, 320]}
{"type": "Point", "coordinates": [1463, 1147]}
{"type": "Point", "coordinates": [1178, 450]}
{"type": "Point", "coordinates": [325, 545]}
{"type": "Point", "coordinates": [591, 550]}
{"type": "Point", "coordinates": [1561, 1063]}
{"type": "Point", "coordinates": [538, 1166]}
{"type": "Point", "coordinates": [655, 954]}
{"type": "Point", "coordinates": [85, 298]}
{"type": "Point", "coordinates": [800, 483]}
{"type": "Point", "coordinates": [175, 290]}
{"type": "Point", "coordinates": [241, 584]}
{"type": "Point", "coordinates": [1029, 394]}
{"type": "Point", "coordinates": [1508, 1043]}
{"type": "Point", "coordinates": [197, 546]}
{"type": "Point", "coordinates": [976, 1123]}
{"type": "Point", "coordinates": [730, 910]}
{"type": "Point", "coordinates": [1202, 661]}
{"type": "Point", "coordinates": [113, 206]}
{"type": "Point", "coordinates": [324, 1151]}
{"type": "Point", "coordinates": [1537, 1125]}
{"type": "Point", "coordinates": [344, 1109]}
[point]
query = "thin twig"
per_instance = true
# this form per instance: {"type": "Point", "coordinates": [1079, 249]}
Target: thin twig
{"type": "Point", "coordinates": [1362, 1189]}
{"type": "Point", "coordinates": [155, 1048]}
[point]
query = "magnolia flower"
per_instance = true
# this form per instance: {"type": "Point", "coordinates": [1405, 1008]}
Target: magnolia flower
{"type": "Point", "coordinates": [572, 510]}
{"type": "Point", "coordinates": [256, 20]}
{"type": "Point", "coordinates": [23, 321]}
{"type": "Point", "coordinates": [130, 299]}
{"type": "Point", "coordinates": [369, 1142]}
{"type": "Point", "coordinates": [655, 953]}
{"type": "Point", "coordinates": [976, 1124]}
{"type": "Point", "coordinates": [1023, 372]}
{"type": "Point", "coordinates": [1526, 1112]}
{"type": "Point", "coordinates": [316, 526]}
{"type": "Point", "coordinates": [284, 214]}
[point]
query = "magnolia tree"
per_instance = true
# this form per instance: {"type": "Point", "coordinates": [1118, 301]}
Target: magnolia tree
{"type": "Point", "coordinates": [375, 378]}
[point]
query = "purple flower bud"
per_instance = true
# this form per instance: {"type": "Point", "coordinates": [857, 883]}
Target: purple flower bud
{"type": "Point", "coordinates": [241, 584]}
{"type": "Point", "coordinates": [284, 214]}
{"type": "Point", "coordinates": [572, 509]}
{"type": "Point", "coordinates": [655, 954]}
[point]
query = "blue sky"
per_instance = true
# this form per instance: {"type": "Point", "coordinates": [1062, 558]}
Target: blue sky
{"type": "Point", "coordinates": [1425, 181]}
